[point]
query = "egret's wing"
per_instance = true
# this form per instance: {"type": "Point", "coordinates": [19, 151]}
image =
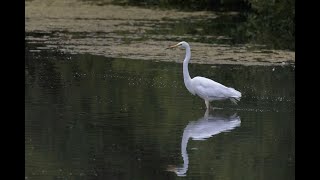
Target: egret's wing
{"type": "Point", "coordinates": [207, 91]}
{"type": "Point", "coordinates": [207, 88]}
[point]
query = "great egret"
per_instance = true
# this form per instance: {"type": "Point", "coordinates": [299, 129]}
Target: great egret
{"type": "Point", "coordinates": [202, 129]}
{"type": "Point", "coordinates": [205, 88]}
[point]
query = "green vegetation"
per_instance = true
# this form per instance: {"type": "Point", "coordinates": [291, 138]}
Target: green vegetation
{"type": "Point", "coordinates": [270, 22]}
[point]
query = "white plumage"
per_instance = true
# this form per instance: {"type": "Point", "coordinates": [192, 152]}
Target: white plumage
{"type": "Point", "coordinates": [205, 88]}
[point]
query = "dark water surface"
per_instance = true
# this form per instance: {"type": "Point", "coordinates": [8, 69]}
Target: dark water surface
{"type": "Point", "coordinates": [90, 117]}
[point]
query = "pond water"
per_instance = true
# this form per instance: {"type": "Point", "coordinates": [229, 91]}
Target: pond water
{"type": "Point", "coordinates": [92, 117]}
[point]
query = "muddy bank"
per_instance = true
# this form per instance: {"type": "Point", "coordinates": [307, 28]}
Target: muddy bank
{"type": "Point", "coordinates": [134, 33]}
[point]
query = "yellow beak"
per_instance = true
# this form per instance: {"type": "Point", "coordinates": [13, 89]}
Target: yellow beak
{"type": "Point", "coordinates": [170, 47]}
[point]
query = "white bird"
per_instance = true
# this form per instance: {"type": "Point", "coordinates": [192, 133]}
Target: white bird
{"type": "Point", "coordinates": [202, 129]}
{"type": "Point", "coordinates": [205, 88]}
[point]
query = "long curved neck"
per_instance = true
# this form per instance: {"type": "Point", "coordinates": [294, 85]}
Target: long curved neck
{"type": "Point", "coordinates": [186, 75]}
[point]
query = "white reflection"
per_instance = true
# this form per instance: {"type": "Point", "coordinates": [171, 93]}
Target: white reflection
{"type": "Point", "coordinates": [205, 127]}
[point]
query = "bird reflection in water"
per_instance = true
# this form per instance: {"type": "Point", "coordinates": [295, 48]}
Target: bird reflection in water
{"type": "Point", "coordinates": [205, 127]}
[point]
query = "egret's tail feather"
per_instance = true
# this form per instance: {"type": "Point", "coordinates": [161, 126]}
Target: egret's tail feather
{"type": "Point", "coordinates": [235, 100]}
{"type": "Point", "coordinates": [235, 93]}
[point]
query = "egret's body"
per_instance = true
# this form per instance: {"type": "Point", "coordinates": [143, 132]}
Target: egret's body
{"type": "Point", "coordinates": [205, 88]}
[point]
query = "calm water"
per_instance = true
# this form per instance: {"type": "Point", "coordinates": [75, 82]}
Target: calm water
{"type": "Point", "coordinates": [90, 117]}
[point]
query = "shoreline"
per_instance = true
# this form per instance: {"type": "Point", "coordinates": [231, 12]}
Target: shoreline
{"type": "Point", "coordinates": [124, 32]}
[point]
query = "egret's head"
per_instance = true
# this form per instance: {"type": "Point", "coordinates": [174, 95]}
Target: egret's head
{"type": "Point", "coordinates": [181, 44]}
